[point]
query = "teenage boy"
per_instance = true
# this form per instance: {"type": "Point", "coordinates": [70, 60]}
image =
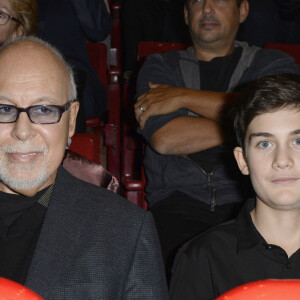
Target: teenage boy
{"type": "Point", "coordinates": [263, 241]}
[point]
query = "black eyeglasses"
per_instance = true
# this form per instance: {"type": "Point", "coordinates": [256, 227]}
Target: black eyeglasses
{"type": "Point", "coordinates": [37, 114]}
{"type": "Point", "coordinates": [4, 18]}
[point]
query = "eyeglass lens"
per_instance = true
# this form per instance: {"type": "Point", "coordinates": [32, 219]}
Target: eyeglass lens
{"type": "Point", "coordinates": [4, 17]}
{"type": "Point", "coordinates": [41, 114]}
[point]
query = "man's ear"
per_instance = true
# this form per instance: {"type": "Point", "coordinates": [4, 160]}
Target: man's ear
{"type": "Point", "coordinates": [244, 10]}
{"type": "Point", "coordinates": [241, 160]}
{"type": "Point", "coordinates": [186, 14]}
{"type": "Point", "coordinates": [72, 120]}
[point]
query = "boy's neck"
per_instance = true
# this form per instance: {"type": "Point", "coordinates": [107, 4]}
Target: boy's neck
{"type": "Point", "coordinates": [278, 227]}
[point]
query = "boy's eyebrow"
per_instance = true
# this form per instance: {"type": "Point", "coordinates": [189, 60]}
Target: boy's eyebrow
{"type": "Point", "coordinates": [295, 132]}
{"type": "Point", "coordinates": [268, 135]}
{"type": "Point", "coordinates": [259, 134]}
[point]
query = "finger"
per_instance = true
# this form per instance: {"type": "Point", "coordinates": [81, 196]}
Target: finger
{"type": "Point", "coordinates": [138, 103]}
{"type": "Point", "coordinates": [153, 85]}
{"type": "Point", "coordinates": [140, 97]}
{"type": "Point", "coordinates": [142, 122]}
{"type": "Point", "coordinates": [141, 108]}
{"type": "Point", "coordinates": [138, 110]}
{"type": "Point", "coordinates": [138, 116]}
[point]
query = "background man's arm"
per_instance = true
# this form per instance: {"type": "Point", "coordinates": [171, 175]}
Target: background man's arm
{"type": "Point", "coordinates": [191, 134]}
{"type": "Point", "coordinates": [185, 134]}
{"type": "Point", "coordinates": [165, 99]}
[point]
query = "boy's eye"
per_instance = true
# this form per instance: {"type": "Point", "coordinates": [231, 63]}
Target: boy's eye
{"type": "Point", "coordinates": [264, 144]}
{"type": "Point", "coordinates": [297, 142]}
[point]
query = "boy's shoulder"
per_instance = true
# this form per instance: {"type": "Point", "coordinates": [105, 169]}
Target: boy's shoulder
{"type": "Point", "coordinates": [218, 238]}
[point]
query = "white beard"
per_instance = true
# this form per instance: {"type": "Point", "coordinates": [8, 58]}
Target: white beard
{"type": "Point", "coordinates": [12, 173]}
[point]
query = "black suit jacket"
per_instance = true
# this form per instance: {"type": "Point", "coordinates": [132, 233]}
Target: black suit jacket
{"type": "Point", "coordinates": [95, 244]}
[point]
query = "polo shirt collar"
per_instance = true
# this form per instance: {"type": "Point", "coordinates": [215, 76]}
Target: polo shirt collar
{"type": "Point", "coordinates": [247, 235]}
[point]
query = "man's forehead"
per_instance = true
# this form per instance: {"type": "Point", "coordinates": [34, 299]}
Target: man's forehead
{"type": "Point", "coordinates": [29, 72]}
{"type": "Point", "coordinates": [27, 56]}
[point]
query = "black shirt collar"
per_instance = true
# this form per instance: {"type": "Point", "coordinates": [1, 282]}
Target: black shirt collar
{"type": "Point", "coordinates": [247, 235]}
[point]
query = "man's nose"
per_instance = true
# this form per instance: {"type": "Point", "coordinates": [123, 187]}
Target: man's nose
{"type": "Point", "coordinates": [23, 129]}
{"type": "Point", "coordinates": [207, 7]}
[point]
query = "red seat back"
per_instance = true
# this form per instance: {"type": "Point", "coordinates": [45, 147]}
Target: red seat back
{"type": "Point", "coordinates": [98, 58]}
{"type": "Point", "coordinates": [266, 290]}
{"type": "Point", "coordinates": [86, 145]}
{"type": "Point", "coordinates": [147, 48]}
{"type": "Point", "coordinates": [10, 290]}
{"type": "Point", "coordinates": [111, 79]}
{"type": "Point", "coordinates": [291, 49]}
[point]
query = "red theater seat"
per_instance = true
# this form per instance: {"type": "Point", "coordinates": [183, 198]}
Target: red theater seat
{"type": "Point", "coordinates": [265, 290]}
{"type": "Point", "coordinates": [111, 128]}
{"type": "Point", "coordinates": [291, 49]}
{"type": "Point", "coordinates": [86, 145]}
{"type": "Point", "coordinates": [10, 290]}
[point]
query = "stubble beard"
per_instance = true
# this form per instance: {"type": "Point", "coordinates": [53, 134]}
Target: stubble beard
{"type": "Point", "coordinates": [207, 37]}
{"type": "Point", "coordinates": [15, 175]}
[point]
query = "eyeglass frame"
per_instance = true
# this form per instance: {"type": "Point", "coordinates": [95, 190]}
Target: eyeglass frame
{"type": "Point", "coordinates": [10, 18]}
{"type": "Point", "coordinates": [62, 109]}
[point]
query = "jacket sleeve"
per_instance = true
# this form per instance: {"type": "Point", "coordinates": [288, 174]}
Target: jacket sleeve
{"type": "Point", "coordinates": [156, 70]}
{"type": "Point", "coordinates": [146, 278]}
{"type": "Point", "coordinates": [94, 18]}
{"type": "Point", "coordinates": [191, 278]}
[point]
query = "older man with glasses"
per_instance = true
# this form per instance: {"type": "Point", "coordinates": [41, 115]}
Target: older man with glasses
{"type": "Point", "coordinates": [61, 237]}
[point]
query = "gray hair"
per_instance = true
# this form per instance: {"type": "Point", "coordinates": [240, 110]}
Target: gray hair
{"type": "Point", "coordinates": [72, 92]}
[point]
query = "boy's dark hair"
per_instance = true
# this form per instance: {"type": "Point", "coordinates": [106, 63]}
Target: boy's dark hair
{"type": "Point", "coordinates": [187, 2]}
{"type": "Point", "coordinates": [264, 95]}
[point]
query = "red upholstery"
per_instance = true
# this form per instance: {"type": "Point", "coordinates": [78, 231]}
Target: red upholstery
{"type": "Point", "coordinates": [291, 49]}
{"type": "Point", "coordinates": [266, 290]}
{"type": "Point", "coordinates": [98, 58]}
{"type": "Point", "coordinates": [10, 290]}
{"type": "Point", "coordinates": [111, 79]}
{"type": "Point", "coordinates": [133, 177]}
{"type": "Point", "coordinates": [147, 48]}
{"type": "Point", "coordinates": [113, 128]}
{"type": "Point", "coordinates": [87, 145]}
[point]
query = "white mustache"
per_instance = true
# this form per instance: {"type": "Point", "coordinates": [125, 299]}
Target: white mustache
{"type": "Point", "coordinates": [23, 147]}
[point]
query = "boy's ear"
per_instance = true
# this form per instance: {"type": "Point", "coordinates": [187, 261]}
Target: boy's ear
{"type": "Point", "coordinates": [241, 160]}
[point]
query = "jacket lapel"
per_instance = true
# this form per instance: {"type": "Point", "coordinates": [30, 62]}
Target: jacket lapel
{"type": "Point", "coordinates": [56, 241]}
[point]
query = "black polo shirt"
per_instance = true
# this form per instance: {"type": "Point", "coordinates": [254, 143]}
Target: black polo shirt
{"type": "Point", "coordinates": [227, 256]}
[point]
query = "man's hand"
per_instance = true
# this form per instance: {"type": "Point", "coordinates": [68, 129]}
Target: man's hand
{"type": "Point", "coordinates": [159, 100]}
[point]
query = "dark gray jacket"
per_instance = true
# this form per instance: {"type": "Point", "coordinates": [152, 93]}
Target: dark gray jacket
{"type": "Point", "coordinates": [95, 245]}
{"type": "Point", "coordinates": [168, 173]}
